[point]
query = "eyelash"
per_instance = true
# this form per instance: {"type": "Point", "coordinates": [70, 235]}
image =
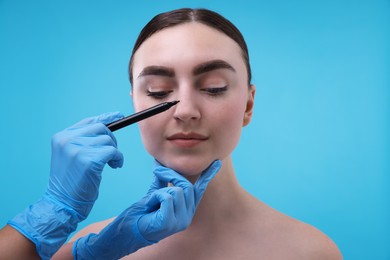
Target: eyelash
{"type": "Point", "coordinates": [212, 91]}
{"type": "Point", "coordinates": [215, 91]}
{"type": "Point", "coordinates": [158, 94]}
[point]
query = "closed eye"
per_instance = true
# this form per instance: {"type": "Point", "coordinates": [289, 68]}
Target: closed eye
{"type": "Point", "coordinates": [158, 94]}
{"type": "Point", "coordinates": [214, 91]}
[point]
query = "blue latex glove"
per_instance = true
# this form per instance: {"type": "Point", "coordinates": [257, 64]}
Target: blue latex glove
{"type": "Point", "coordinates": [79, 154]}
{"type": "Point", "coordinates": [161, 213]}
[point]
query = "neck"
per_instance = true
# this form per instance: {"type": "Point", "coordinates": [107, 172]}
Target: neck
{"type": "Point", "coordinates": [223, 199]}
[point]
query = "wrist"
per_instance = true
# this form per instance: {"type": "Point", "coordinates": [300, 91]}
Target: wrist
{"type": "Point", "coordinates": [81, 248]}
{"type": "Point", "coordinates": [47, 224]}
{"type": "Point", "coordinates": [78, 206]}
{"type": "Point", "coordinates": [118, 239]}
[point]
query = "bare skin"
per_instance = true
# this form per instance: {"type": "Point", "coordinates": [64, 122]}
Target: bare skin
{"type": "Point", "coordinates": [13, 245]}
{"type": "Point", "coordinates": [231, 224]}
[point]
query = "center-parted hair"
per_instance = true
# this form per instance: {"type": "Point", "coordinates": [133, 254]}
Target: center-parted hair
{"type": "Point", "coordinates": [186, 15]}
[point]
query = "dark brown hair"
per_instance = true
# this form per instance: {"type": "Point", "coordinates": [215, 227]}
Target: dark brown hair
{"type": "Point", "coordinates": [186, 15]}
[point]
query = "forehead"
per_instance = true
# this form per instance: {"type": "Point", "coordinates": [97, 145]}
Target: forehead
{"type": "Point", "coordinates": [187, 45]}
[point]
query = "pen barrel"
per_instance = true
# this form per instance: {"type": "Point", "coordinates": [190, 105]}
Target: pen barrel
{"type": "Point", "coordinates": [134, 118]}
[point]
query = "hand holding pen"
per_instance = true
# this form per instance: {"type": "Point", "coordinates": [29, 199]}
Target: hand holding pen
{"type": "Point", "coordinates": [79, 154]}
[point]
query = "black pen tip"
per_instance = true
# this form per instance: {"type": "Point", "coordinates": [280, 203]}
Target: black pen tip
{"type": "Point", "coordinates": [174, 102]}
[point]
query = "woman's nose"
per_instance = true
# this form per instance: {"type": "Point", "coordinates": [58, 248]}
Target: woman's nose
{"type": "Point", "coordinates": [187, 109]}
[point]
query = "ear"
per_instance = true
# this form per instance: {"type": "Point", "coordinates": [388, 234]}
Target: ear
{"type": "Point", "coordinates": [249, 105]}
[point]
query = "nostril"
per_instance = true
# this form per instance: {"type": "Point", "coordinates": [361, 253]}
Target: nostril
{"type": "Point", "coordinates": [186, 111]}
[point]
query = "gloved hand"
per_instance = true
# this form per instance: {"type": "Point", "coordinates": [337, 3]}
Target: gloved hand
{"type": "Point", "coordinates": [161, 213]}
{"type": "Point", "coordinates": [79, 154]}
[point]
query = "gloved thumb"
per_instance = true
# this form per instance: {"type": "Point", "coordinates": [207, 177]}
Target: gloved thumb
{"type": "Point", "coordinates": [105, 118]}
{"type": "Point", "coordinates": [157, 183]}
{"type": "Point", "coordinates": [171, 176]}
{"type": "Point", "coordinates": [206, 176]}
{"type": "Point", "coordinates": [109, 117]}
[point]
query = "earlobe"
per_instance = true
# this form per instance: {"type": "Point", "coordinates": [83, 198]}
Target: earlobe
{"type": "Point", "coordinates": [249, 105]}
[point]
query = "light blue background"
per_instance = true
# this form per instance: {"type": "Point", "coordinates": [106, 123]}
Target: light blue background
{"type": "Point", "coordinates": [318, 148]}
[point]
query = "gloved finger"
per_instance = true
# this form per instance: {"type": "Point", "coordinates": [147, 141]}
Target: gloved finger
{"type": "Point", "coordinates": [169, 175]}
{"type": "Point", "coordinates": [179, 203]}
{"type": "Point", "coordinates": [116, 161]}
{"type": "Point", "coordinates": [206, 176]}
{"type": "Point", "coordinates": [91, 130]}
{"type": "Point", "coordinates": [94, 141]}
{"type": "Point", "coordinates": [156, 185]}
{"type": "Point", "coordinates": [156, 223]}
{"type": "Point", "coordinates": [105, 118]}
{"type": "Point", "coordinates": [103, 155]}
{"type": "Point", "coordinates": [115, 158]}
{"type": "Point", "coordinates": [161, 202]}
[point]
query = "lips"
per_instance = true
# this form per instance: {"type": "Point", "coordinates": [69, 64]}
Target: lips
{"type": "Point", "coordinates": [187, 140]}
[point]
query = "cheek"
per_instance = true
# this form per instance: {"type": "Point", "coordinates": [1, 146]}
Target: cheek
{"type": "Point", "coordinates": [146, 133]}
{"type": "Point", "coordinates": [151, 135]}
{"type": "Point", "coordinates": [228, 126]}
{"type": "Point", "coordinates": [148, 126]}
{"type": "Point", "coordinates": [232, 124]}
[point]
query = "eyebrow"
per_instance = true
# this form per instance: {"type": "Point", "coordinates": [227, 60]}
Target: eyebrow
{"type": "Point", "coordinates": [212, 65]}
{"type": "Point", "coordinates": [199, 69]}
{"type": "Point", "coordinates": [157, 71]}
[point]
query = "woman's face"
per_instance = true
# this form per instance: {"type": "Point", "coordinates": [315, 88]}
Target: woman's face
{"type": "Point", "coordinates": [204, 69]}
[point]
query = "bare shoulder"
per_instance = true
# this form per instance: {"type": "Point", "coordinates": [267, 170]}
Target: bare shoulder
{"type": "Point", "coordinates": [305, 240]}
{"type": "Point", "coordinates": [92, 228]}
{"type": "Point", "coordinates": [314, 243]}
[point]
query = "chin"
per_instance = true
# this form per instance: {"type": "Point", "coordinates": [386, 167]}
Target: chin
{"type": "Point", "coordinates": [188, 169]}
